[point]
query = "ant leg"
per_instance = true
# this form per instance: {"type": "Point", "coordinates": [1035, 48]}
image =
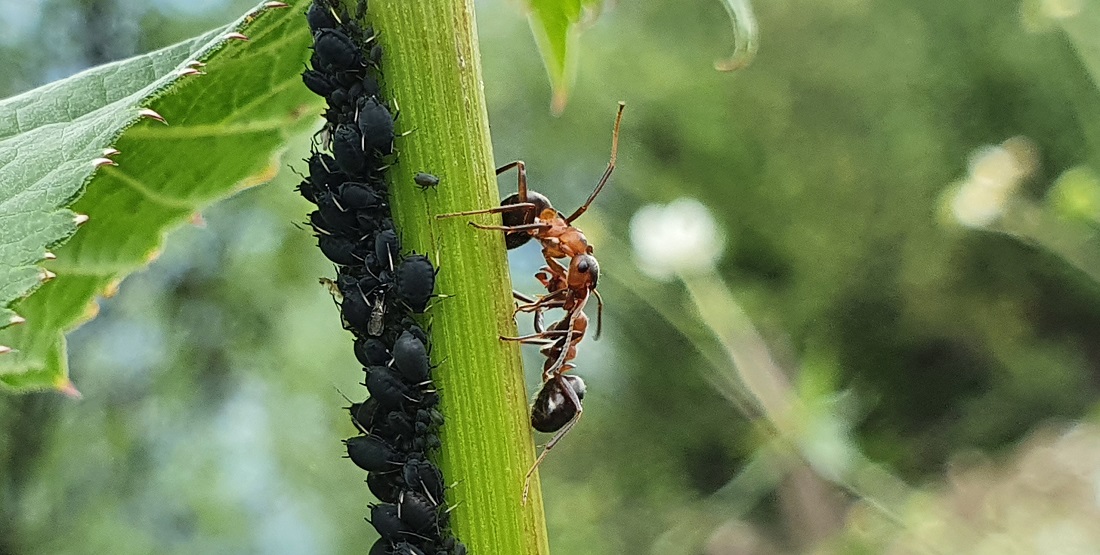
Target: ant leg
{"type": "Point", "coordinates": [493, 210]}
{"type": "Point", "coordinates": [533, 339]}
{"type": "Point", "coordinates": [554, 369]}
{"type": "Point", "coordinates": [523, 227]}
{"type": "Point", "coordinates": [572, 396]}
{"type": "Point", "coordinates": [543, 303]}
{"type": "Point", "coordinates": [540, 338]}
{"type": "Point", "coordinates": [607, 172]}
{"type": "Point", "coordinates": [521, 180]}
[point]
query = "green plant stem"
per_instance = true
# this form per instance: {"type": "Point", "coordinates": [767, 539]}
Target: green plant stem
{"type": "Point", "coordinates": [433, 71]}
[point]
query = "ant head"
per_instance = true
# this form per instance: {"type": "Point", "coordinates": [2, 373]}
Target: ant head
{"type": "Point", "coordinates": [553, 407]}
{"type": "Point", "coordinates": [584, 270]}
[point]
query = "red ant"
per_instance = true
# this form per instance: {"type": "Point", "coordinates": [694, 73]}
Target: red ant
{"type": "Point", "coordinates": [528, 214]}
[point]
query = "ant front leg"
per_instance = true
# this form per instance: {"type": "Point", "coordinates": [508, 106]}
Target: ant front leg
{"type": "Point", "coordinates": [538, 338]}
{"type": "Point", "coordinates": [493, 210]}
{"type": "Point", "coordinates": [539, 226]}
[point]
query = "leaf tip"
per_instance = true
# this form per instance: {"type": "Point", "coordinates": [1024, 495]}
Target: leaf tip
{"type": "Point", "coordinates": [65, 386]}
{"type": "Point", "coordinates": [188, 71]}
{"type": "Point", "coordinates": [271, 5]}
{"type": "Point", "coordinates": [80, 219]}
{"type": "Point", "coordinates": [108, 152]}
{"type": "Point", "coordinates": [103, 162]}
{"type": "Point", "coordinates": [15, 320]}
{"type": "Point", "coordinates": [91, 311]}
{"type": "Point", "coordinates": [195, 64]}
{"type": "Point", "coordinates": [151, 114]}
{"type": "Point", "coordinates": [111, 289]}
{"type": "Point", "coordinates": [558, 101]}
{"type": "Point", "coordinates": [46, 275]}
{"type": "Point", "coordinates": [4, 349]}
{"type": "Point", "coordinates": [235, 36]}
{"type": "Point", "coordinates": [49, 256]}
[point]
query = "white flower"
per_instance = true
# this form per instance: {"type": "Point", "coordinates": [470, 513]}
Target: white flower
{"type": "Point", "coordinates": [995, 174]}
{"type": "Point", "coordinates": [678, 237]}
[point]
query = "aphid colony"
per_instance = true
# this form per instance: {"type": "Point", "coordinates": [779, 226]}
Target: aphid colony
{"type": "Point", "coordinates": [378, 285]}
{"type": "Point", "coordinates": [528, 215]}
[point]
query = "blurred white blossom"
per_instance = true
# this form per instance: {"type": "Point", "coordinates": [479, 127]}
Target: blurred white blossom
{"type": "Point", "coordinates": [995, 173]}
{"type": "Point", "coordinates": [1061, 9]}
{"type": "Point", "coordinates": [680, 236]}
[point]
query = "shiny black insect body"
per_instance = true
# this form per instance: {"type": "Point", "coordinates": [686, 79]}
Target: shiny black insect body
{"type": "Point", "coordinates": [557, 403]}
{"type": "Point", "coordinates": [337, 51]}
{"type": "Point", "coordinates": [377, 286]}
{"type": "Point", "coordinates": [391, 391]}
{"type": "Point", "coordinates": [385, 519]}
{"type": "Point", "coordinates": [415, 282]}
{"type": "Point", "coordinates": [372, 454]}
{"type": "Point", "coordinates": [410, 356]}
{"type": "Point", "coordinates": [376, 126]}
{"type": "Point", "coordinates": [371, 352]}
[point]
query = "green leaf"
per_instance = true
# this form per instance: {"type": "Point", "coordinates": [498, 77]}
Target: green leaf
{"type": "Point", "coordinates": [556, 26]}
{"type": "Point", "coordinates": [226, 121]}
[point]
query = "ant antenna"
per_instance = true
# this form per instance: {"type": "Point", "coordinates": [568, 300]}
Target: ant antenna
{"type": "Point", "coordinates": [599, 314]}
{"type": "Point", "coordinates": [607, 172]}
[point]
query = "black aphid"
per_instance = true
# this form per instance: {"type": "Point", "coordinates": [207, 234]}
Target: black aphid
{"type": "Point", "coordinates": [372, 454]}
{"type": "Point", "coordinates": [423, 476]}
{"type": "Point", "coordinates": [387, 248]}
{"type": "Point", "coordinates": [318, 82]}
{"type": "Point", "coordinates": [386, 486]}
{"type": "Point", "coordinates": [376, 125]}
{"type": "Point", "coordinates": [356, 309]}
{"type": "Point", "coordinates": [415, 282]}
{"type": "Point", "coordinates": [336, 50]}
{"type": "Point", "coordinates": [426, 180]}
{"type": "Point", "coordinates": [359, 196]}
{"type": "Point", "coordinates": [371, 352]}
{"type": "Point", "coordinates": [319, 17]}
{"type": "Point", "coordinates": [386, 386]}
{"type": "Point", "coordinates": [384, 518]}
{"type": "Point", "coordinates": [338, 249]}
{"type": "Point", "coordinates": [347, 147]}
{"type": "Point", "coordinates": [410, 356]}
{"type": "Point", "coordinates": [418, 512]}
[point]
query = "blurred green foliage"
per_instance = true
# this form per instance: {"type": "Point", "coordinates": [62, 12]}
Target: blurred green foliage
{"type": "Point", "coordinates": [209, 423]}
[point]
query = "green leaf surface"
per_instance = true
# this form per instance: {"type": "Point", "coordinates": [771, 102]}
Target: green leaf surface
{"type": "Point", "coordinates": [556, 25]}
{"type": "Point", "coordinates": [226, 121]}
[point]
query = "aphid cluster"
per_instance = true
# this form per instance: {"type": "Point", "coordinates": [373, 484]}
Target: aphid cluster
{"type": "Point", "coordinates": [528, 215]}
{"type": "Point", "coordinates": [378, 285]}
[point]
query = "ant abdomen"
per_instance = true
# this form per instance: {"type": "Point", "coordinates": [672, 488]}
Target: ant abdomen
{"type": "Point", "coordinates": [552, 408]}
{"type": "Point", "coordinates": [514, 239]}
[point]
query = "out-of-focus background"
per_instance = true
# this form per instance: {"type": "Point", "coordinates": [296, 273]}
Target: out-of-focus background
{"type": "Point", "coordinates": [852, 298]}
